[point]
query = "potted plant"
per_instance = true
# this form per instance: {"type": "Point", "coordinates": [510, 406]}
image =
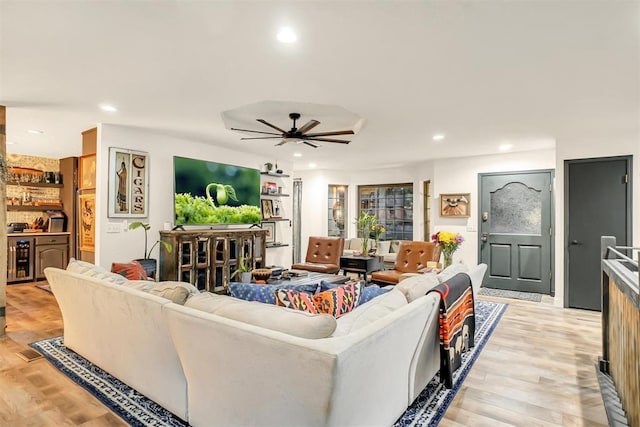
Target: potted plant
{"type": "Point", "coordinates": [243, 270]}
{"type": "Point", "coordinates": [149, 264]}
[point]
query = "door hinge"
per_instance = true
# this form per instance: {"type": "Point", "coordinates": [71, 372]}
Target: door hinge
{"type": "Point", "coordinates": [550, 232]}
{"type": "Point", "coordinates": [625, 178]}
{"type": "Point", "coordinates": [550, 275]}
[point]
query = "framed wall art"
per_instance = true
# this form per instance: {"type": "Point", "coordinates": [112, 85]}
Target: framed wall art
{"type": "Point", "coordinates": [267, 208]}
{"type": "Point", "coordinates": [455, 205]}
{"type": "Point", "coordinates": [87, 172]}
{"type": "Point", "coordinates": [128, 183]}
{"type": "Point", "coordinates": [87, 208]}
{"type": "Point", "coordinates": [270, 227]}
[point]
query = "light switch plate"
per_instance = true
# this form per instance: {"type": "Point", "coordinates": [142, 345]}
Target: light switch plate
{"type": "Point", "coordinates": [113, 227]}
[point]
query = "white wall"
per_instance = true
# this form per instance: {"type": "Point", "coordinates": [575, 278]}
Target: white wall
{"type": "Point", "coordinates": [315, 195]}
{"type": "Point", "coordinates": [128, 244]}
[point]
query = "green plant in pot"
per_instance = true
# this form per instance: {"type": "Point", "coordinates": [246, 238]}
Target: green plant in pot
{"type": "Point", "coordinates": [149, 264]}
{"type": "Point", "coordinates": [244, 270]}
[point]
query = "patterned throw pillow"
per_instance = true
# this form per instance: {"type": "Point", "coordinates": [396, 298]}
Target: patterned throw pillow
{"type": "Point", "coordinates": [132, 271]}
{"type": "Point", "coordinates": [336, 301]}
{"type": "Point", "coordinates": [265, 293]}
{"type": "Point", "coordinates": [368, 292]}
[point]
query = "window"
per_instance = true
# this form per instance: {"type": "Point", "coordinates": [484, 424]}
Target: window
{"type": "Point", "coordinates": [337, 215]}
{"type": "Point", "coordinates": [426, 190]}
{"type": "Point", "coordinates": [392, 204]}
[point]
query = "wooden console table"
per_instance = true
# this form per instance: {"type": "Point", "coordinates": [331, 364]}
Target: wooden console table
{"type": "Point", "coordinates": [207, 258]}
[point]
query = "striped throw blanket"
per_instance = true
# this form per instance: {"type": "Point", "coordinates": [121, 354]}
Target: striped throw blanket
{"type": "Point", "coordinates": [457, 323]}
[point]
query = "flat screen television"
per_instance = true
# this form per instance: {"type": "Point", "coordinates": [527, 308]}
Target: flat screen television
{"type": "Point", "coordinates": [210, 193]}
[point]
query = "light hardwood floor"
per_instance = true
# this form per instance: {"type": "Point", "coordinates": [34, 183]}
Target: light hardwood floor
{"type": "Point", "coordinates": [536, 370]}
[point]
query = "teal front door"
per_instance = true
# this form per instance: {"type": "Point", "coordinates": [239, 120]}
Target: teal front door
{"type": "Point", "coordinates": [516, 230]}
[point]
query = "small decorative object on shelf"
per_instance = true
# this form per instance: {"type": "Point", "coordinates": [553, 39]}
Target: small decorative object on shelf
{"type": "Point", "coordinates": [268, 167]}
{"type": "Point", "coordinates": [278, 171]}
{"type": "Point", "coordinates": [449, 243]}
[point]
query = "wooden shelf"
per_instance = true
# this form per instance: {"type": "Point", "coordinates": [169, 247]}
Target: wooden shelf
{"type": "Point", "coordinates": [281, 175]}
{"type": "Point", "coordinates": [277, 245]}
{"type": "Point", "coordinates": [34, 184]}
{"type": "Point", "coordinates": [274, 194]}
{"type": "Point", "coordinates": [33, 208]}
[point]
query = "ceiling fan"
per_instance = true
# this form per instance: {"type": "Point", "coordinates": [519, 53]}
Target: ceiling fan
{"type": "Point", "coordinates": [298, 134]}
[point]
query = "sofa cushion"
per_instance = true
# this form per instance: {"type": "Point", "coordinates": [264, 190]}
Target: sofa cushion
{"type": "Point", "coordinates": [384, 247]}
{"type": "Point", "coordinates": [132, 270]}
{"type": "Point", "coordinates": [416, 286]}
{"type": "Point", "coordinates": [451, 271]}
{"type": "Point", "coordinates": [177, 292]}
{"type": "Point", "coordinates": [266, 293]}
{"type": "Point", "coordinates": [366, 314]}
{"type": "Point", "coordinates": [292, 322]}
{"type": "Point", "coordinates": [336, 301]}
{"type": "Point", "coordinates": [92, 270]}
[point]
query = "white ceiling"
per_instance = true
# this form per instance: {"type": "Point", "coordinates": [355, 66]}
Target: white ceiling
{"type": "Point", "coordinates": [529, 73]}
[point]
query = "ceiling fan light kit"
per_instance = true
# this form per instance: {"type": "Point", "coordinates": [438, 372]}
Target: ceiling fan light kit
{"type": "Point", "coordinates": [297, 135]}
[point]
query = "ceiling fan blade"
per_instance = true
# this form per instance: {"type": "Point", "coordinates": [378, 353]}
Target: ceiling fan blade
{"type": "Point", "coordinates": [284, 141]}
{"type": "Point", "coordinates": [327, 140]}
{"type": "Point", "coordinates": [262, 137]}
{"type": "Point", "coordinates": [308, 126]}
{"type": "Point", "coordinates": [264, 122]}
{"type": "Point", "coordinates": [255, 131]}
{"type": "Point", "coordinates": [311, 144]}
{"type": "Point", "coordinates": [330, 133]}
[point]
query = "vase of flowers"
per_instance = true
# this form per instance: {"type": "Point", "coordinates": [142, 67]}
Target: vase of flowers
{"type": "Point", "coordinates": [449, 243]}
{"type": "Point", "coordinates": [364, 223]}
{"type": "Point", "coordinates": [376, 230]}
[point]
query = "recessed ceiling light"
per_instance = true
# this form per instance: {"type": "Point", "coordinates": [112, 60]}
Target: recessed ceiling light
{"type": "Point", "coordinates": [505, 147]}
{"type": "Point", "coordinates": [297, 154]}
{"type": "Point", "coordinates": [286, 35]}
{"type": "Point", "coordinates": [438, 137]}
{"type": "Point", "coordinates": [312, 165]}
{"type": "Point", "coordinates": [108, 108]}
{"type": "Point", "coordinates": [35, 131]}
{"type": "Point", "coordinates": [10, 142]}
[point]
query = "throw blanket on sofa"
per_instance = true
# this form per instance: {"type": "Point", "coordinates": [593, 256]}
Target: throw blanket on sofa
{"type": "Point", "coordinates": [457, 323]}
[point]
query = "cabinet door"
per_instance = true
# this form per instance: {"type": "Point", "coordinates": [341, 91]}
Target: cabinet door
{"type": "Point", "coordinates": [50, 256]}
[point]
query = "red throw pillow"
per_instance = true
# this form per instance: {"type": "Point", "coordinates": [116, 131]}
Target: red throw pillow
{"type": "Point", "coordinates": [336, 301]}
{"type": "Point", "coordinates": [132, 271]}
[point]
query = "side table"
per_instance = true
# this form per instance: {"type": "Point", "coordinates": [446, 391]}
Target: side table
{"type": "Point", "coordinates": [361, 265]}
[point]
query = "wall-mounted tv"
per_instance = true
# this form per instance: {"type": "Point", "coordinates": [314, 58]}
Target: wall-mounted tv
{"type": "Point", "coordinates": [208, 193]}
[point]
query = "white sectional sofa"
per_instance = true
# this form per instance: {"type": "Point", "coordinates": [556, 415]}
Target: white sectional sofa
{"type": "Point", "coordinates": [218, 360]}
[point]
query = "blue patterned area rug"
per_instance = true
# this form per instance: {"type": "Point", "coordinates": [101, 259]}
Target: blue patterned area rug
{"type": "Point", "coordinates": [137, 410]}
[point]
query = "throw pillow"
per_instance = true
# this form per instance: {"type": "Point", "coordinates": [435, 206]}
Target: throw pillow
{"type": "Point", "coordinates": [418, 285]}
{"type": "Point", "coordinates": [451, 271]}
{"type": "Point", "coordinates": [132, 271]}
{"type": "Point", "coordinates": [336, 301]}
{"type": "Point", "coordinates": [370, 292]}
{"type": "Point", "coordinates": [92, 270]}
{"type": "Point", "coordinates": [177, 292]}
{"type": "Point", "coordinates": [265, 293]}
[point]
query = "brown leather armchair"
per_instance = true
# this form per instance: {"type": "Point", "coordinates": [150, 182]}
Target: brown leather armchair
{"type": "Point", "coordinates": [323, 255]}
{"type": "Point", "coordinates": [412, 256]}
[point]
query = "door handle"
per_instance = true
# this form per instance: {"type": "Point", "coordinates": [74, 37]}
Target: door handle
{"type": "Point", "coordinates": [575, 242]}
{"type": "Point", "coordinates": [484, 237]}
